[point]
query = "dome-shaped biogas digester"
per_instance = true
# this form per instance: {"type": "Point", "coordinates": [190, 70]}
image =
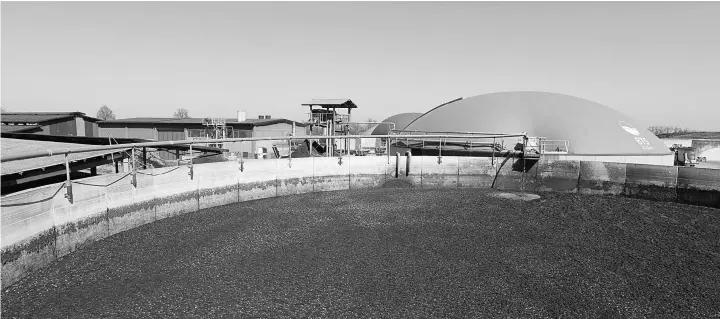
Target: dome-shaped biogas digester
{"type": "Point", "coordinates": [400, 120]}
{"type": "Point", "coordinates": [590, 128]}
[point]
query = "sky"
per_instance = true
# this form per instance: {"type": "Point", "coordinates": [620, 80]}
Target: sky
{"type": "Point", "coordinates": [658, 62]}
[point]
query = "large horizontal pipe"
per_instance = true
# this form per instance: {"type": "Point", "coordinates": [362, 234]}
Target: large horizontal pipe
{"type": "Point", "coordinates": [51, 152]}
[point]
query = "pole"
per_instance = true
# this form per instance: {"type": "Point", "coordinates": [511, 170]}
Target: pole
{"type": "Point", "coordinates": [190, 165]}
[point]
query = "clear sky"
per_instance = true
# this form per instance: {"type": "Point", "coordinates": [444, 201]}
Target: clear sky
{"type": "Point", "coordinates": [657, 62]}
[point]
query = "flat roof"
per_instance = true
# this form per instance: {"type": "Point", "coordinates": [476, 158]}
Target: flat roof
{"type": "Point", "coordinates": [332, 103]}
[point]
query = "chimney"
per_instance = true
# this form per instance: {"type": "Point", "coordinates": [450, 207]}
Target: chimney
{"type": "Point", "coordinates": [241, 116]}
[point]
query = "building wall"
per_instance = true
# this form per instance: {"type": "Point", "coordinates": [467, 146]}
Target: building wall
{"type": "Point", "coordinates": [149, 133]}
{"type": "Point", "coordinates": [280, 129]}
{"type": "Point", "coordinates": [91, 129]}
{"type": "Point", "coordinates": [80, 126]}
{"type": "Point", "coordinates": [176, 134]}
{"type": "Point", "coordinates": [66, 127]}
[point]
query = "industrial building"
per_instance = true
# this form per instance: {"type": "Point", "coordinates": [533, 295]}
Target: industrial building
{"type": "Point", "coordinates": [50, 123]}
{"type": "Point", "coordinates": [569, 127]}
{"type": "Point", "coordinates": [175, 129]}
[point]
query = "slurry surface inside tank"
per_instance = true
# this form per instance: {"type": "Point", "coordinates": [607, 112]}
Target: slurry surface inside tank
{"type": "Point", "coordinates": [395, 253]}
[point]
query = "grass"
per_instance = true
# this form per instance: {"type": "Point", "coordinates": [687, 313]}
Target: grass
{"type": "Point", "coordinates": [395, 253]}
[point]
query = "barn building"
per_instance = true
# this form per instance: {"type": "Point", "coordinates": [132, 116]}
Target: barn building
{"type": "Point", "coordinates": [176, 129]}
{"type": "Point", "coordinates": [50, 123]}
{"type": "Point", "coordinates": [571, 128]}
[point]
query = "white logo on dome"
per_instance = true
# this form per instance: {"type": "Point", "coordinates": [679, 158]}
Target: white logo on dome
{"type": "Point", "coordinates": [629, 128]}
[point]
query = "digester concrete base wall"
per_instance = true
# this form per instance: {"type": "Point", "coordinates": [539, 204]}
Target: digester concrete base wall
{"type": "Point", "coordinates": [41, 225]}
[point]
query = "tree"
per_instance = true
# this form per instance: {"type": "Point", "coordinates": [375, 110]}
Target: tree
{"type": "Point", "coordinates": [105, 113]}
{"type": "Point", "coordinates": [181, 114]}
{"type": "Point", "coordinates": [661, 129]}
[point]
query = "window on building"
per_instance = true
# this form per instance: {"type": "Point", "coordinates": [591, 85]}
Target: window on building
{"type": "Point", "coordinates": [245, 155]}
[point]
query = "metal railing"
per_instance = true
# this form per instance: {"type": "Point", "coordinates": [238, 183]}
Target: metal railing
{"type": "Point", "coordinates": [554, 146]}
{"type": "Point", "coordinates": [190, 143]}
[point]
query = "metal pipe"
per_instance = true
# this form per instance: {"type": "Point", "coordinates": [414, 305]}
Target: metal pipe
{"type": "Point", "coordinates": [408, 156]}
{"type": "Point", "coordinates": [51, 152]}
{"type": "Point", "coordinates": [68, 183]}
{"type": "Point", "coordinates": [440, 153]}
{"type": "Point", "coordinates": [493, 155]}
{"type": "Point", "coordinates": [397, 164]}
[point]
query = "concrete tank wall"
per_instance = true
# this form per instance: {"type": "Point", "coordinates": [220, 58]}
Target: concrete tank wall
{"type": "Point", "coordinates": [41, 225]}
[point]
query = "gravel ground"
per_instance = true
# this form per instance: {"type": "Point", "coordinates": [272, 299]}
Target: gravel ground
{"type": "Point", "coordinates": [395, 253]}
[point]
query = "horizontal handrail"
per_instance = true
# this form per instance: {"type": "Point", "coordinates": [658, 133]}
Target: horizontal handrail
{"type": "Point", "coordinates": [52, 152]}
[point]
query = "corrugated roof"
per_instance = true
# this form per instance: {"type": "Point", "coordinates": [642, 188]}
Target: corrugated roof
{"type": "Point", "coordinates": [165, 120]}
{"type": "Point", "coordinates": [346, 103]}
{"type": "Point", "coordinates": [11, 146]}
{"type": "Point", "coordinates": [38, 117]}
{"type": "Point", "coordinates": [17, 128]}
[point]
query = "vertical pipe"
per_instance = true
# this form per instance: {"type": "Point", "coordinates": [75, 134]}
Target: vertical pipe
{"type": "Point", "coordinates": [408, 154]}
{"type": "Point", "coordinates": [397, 164]}
{"type": "Point", "coordinates": [144, 158]}
{"type": "Point", "coordinates": [440, 152]}
{"type": "Point", "coordinates": [68, 184]}
{"type": "Point", "coordinates": [492, 162]}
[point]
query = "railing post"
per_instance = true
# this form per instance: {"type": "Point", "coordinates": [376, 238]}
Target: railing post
{"type": "Point", "coordinates": [134, 169]}
{"type": "Point", "coordinates": [68, 183]}
{"type": "Point", "coordinates": [440, 152]}
{"type": "Point", "coordinates": [387, 147]}
{"type": "Point", "coordinates": [190, 164]}
{"type": "Point", "coordinates": [242, 162]}
{"type": "Point", "coordinates": [290, 152]}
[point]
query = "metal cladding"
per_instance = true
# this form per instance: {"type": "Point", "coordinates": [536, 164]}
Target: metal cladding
{"type": "Point", "coordinates": [401, 121]}
{"type": "Point", "coordinates": [590, 128]}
